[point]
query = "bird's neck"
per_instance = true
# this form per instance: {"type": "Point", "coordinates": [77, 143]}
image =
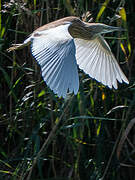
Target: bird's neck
{"type": "Point", "coordinates": [81, 31]}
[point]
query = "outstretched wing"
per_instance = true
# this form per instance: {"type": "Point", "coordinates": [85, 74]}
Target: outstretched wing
{"type": "Point", "coordinates": [95, 58]}
{"type": "Point", "coordinates": [54, 50]}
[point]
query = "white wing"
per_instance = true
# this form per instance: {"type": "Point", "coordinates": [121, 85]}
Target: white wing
{"type": "Point", "coordinates": [54, 50]}
{"type": "Point", "coordinates": [95, 58]}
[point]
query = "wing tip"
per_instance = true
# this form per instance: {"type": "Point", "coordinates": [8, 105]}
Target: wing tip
{"type": "Point", "coordinates": [123, 79]}
{"type": "Point", "coordinates": [126, 81]}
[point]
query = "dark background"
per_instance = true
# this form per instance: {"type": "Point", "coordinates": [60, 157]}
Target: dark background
{"type": "Point", "coordinates": [90, 136]}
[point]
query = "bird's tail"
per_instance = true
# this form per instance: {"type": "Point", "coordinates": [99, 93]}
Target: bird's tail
{"type": "Point", "coordinates": [19, 46]}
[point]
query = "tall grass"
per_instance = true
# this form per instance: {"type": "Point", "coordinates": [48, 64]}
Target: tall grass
{"type": "Point", "coordinates": [89, 136]}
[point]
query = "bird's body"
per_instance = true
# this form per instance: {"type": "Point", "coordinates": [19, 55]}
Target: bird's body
{"type": "Point", "coordinates": [60, 45]}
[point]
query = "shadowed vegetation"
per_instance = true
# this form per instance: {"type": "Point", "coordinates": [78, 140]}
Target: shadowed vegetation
{"type": "Point", "coordinates": [90, 136]}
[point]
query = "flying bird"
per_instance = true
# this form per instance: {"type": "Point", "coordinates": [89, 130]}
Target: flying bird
{"type": "Point", "coordinates": [63, 44]}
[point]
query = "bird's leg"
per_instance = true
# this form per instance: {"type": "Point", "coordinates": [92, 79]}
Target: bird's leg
{"type": "Point", "coordinates": [18, 46]}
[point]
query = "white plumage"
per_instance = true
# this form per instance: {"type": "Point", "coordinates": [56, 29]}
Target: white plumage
{"type": "Point", "coordinates": [54, 50]}
{"type": "Point", "coordinates": [59, 46]}
{"type": "Point", "coordinates": [99, 62]}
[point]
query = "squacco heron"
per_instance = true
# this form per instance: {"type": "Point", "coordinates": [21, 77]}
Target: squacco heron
{"type": "Point", "coordinates": [63, 44]}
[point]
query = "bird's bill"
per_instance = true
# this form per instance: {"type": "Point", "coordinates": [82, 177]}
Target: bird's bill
{"type": "Point", "coordinates": [108, 29]}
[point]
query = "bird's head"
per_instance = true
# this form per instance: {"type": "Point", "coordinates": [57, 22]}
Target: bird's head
{"type": "Point", "coordinates": [103, 28]}
{"type": "Point", "coordinates": [84, 30]}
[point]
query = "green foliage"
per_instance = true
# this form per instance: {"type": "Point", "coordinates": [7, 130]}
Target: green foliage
{"type": "Point", "coordinates": [89, 136]}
